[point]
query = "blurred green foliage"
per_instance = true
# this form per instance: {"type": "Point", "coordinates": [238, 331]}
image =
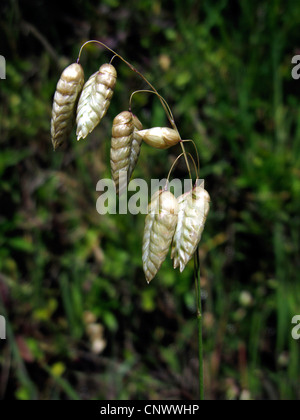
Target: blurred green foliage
{"type": "Point", "coordinates": [225, 69]}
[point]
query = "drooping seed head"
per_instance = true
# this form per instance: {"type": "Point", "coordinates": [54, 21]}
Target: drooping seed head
{"type": "Point", "coordinates": [135, 145]}
{"type": "Point", "coordinates": [160, 137]}
{"type": "Point", "coordinates": [65, 101]}
{"type": "Point", "coordinates": [160, 224]}
{"type": "Point", "coordinates": [193, 210]}
{"type": "Point", "coordinates": [95, 99]}
{"type": "Point", "coordinates": [121, 144]}
{"type": "Point", "coordinates": [125, 148]}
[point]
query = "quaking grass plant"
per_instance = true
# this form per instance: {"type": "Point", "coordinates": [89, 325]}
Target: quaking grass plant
{"type": "Point", "coordinates": [175, 222]}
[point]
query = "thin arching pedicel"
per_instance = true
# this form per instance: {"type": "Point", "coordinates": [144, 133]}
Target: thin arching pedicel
{"type": "Point", "coordinates": [172, 122]}
{"type": "Point", "coordinates": [175, 162]}
{"type": "Point", "coordinates": [121, 58]}
{"type": "Point", "coordinates": [155, 93]}
{"type": "Point", "coordinates": [195, 166]}
{"type": "Point", "coordinates": [196, 150]}
{"type": "Point", "coordinates": [112, 58]}
{"type": "Point", "coordinates": [172, 167]}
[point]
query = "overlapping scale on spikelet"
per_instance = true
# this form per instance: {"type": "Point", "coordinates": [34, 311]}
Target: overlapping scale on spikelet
{"type": "Point", "coordinates": [193, 210]}
{"type": "Point", "coordinates": [95, 99]}
{"type": "Point", "coordinates": [125, 148]}
{"type": "Point", "coordinates": [65, 101]}
{"type": "Point", "coordinates": [160, 225]}
{"type": "Point", "coordinates": [160, 137]}
{"type": "Point", "coordinates": [135, 146]}
{"type": "Point", "coordinates": [121, 144]}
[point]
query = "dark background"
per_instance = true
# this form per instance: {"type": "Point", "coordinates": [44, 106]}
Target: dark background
{"type": "Point", "coordinates": [225, 69]}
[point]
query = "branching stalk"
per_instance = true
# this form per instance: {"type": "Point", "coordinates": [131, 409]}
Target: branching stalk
{"type": "Point", "coordinates": [197, 168]}
{"type": "Point", "coordinates": [170, 118]}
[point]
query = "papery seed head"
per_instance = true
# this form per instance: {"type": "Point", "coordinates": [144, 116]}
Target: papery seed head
{"type": "Point", "coordinates": [95, 99]}
{"type": "Point", "coordinates": [160, 137]}
{"type": "Point", "coordinates": [135, 145]}
{"type": "Point", "coordinates": [193, 210]}
{"type": "Point", "coordinates": [160, 224]}
{"type": "Point", "coordinates": [65, 101]}
{"type": "Point", "coordinates": [121, 144]}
